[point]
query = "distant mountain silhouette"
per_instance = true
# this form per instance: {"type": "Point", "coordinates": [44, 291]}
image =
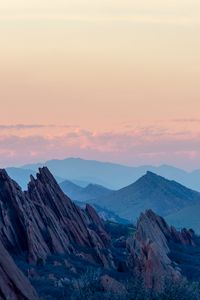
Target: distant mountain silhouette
{"type": "Point", "coordinates": [114, 176]}
{"type": "Point", "coordinates": [149, 192]}
{"type": "Point", "coordinates": [78, 193]}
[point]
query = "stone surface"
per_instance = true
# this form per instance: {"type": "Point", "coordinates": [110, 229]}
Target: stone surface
{"type": "Point", "coordinates": [43, 221]}
{"type": "Point", "coordinates": [111, 285]}
{"type": "Point", "coordinates": [47, 219]}
{"type": "Point", "coordinates": [40, 222]}
{"type": "Point", "coordinates": [13, 284]}
{"type": "Point", "coordinates": [150, 248]}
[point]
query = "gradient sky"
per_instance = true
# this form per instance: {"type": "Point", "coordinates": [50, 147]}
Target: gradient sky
{"type": "Point", "coordinates": [110, 80]}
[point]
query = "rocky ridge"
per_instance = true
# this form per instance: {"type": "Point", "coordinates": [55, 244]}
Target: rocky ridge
{"type": "Point", "coordinates": [46, 218]}
{"type": "Point", "coordinates": [13, 284]}
{"type": "Point", "coordinates": [150, 248]}
{"type": "Point", "coordinates": [43, 222]}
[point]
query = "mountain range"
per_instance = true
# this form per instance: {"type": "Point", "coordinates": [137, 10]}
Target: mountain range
{"type": "Point", "coordinates": [128, 203]}
{"type": "Point", "coordinates": [151, 191]}
{"type": "Point", "coordinates": [84, 194]}
{"type": "Point", "coordinates": [52, 249]}
{"type": "Point", "coordinates": [113, 176]}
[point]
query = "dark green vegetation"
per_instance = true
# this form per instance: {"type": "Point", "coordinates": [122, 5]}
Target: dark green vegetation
{"type": "Point", "coordinates": [188, 258]}
{"type": "Point", "coordinates": [70, 277]}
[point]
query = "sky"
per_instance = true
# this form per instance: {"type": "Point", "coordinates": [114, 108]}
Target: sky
{"type": "Point", "coordinates": [108, 80]}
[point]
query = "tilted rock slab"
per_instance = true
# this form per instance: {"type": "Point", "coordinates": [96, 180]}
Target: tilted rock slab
{"type": "Point", "coordinates": [43, 220]}
{"type": "Point", "coordinates": [13, 284]}
{"type": "Point", "coordinates": [149, 250]}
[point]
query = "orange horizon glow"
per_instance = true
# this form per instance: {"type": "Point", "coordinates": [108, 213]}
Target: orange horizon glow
{"type": "Point", "coordinates": [88, 78]}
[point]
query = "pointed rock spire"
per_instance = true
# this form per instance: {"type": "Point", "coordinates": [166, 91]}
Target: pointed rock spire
{"type": "Point", "coordinates": [47, 219]}
{"type": "Point", "coordinates": [150, 248]}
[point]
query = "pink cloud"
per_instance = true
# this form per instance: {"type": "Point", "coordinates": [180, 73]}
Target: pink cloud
{"type": "Point", "coordinates": [145, 145]}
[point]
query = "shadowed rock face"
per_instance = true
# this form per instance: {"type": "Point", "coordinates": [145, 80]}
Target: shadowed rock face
{"type": "Point", "coordinates": [150, 249]}
{"type": "Point", "coordinates": [12, 219]}
{"type": "Point", "coordinates": [40, 222]}
{"type": "Point", "coordinates": [13, 284]}
{"type": "Point", "coordinates": [47, 219]}
{"type": "Point", "coordinates": [43, 221]}
{"type": "Point", "coordinates": [112, 286]}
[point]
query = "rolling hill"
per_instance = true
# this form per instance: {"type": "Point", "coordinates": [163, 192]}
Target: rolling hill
{"type": "Point", "coordinates": [78, 193]}
{"type": "Point", "coordinates": [151, 191]}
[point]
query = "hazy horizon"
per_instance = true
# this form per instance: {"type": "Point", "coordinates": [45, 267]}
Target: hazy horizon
{"type": "Point", "coordinates": [98, 161]}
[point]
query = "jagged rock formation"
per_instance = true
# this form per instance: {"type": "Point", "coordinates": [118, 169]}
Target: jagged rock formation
{"type": "Point", "coordinates": [13, 284]}
{"type": "Point", "coordinates": [43, 220]}
{"type": "Point", "coordinates": [93, 216]}
{"type": "Point", "coordinates": [150, 249]}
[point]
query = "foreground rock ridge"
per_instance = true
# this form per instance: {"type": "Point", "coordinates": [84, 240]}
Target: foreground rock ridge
{"type": "Point", "coordinates": [13, 284]}
{"type": "Point", "coordinates": [150, 249]}
{"type": "Point", "coordinates": [46, 218]}
{"type": "Point", "coordinates": [43, 222]}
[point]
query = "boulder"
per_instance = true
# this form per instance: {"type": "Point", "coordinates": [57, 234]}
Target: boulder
{"type": "Point", "coordinates": [111, 285]}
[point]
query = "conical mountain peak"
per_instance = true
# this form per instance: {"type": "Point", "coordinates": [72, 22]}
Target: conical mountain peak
{"type": "Point", "coordinates": [151, 191]}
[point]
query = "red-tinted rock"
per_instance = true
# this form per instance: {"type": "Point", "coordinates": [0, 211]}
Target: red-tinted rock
{"type": "Point", "coordinates": [93, 216]}
{"type": "Point", "coordinates": [149, 250]}
{"type": "Point", "coordinates": [96, 221]}
{"type": "Point", "coordinates": [47, 219]}
{"type": "Point", "coordinates": [13, 284]}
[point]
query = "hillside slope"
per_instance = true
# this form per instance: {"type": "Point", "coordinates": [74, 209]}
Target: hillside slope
{"type": "Point", "coordinates": [83, 194]}
{"type": "Point", "coordinates": [149, 192]}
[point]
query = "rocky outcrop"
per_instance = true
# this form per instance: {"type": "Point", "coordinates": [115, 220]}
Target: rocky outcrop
{"type": "Point", "coordinates": [150, 248]}
{"type": "Point", "coordinates": [93, 216]}
{"type": "Point", "coordinates": [43, 221]}
{"type": "Point", "coordinates": [47, 219]}
{"type": "Point", "coordinates": [95, 220]}
{"type": "Point", "coordinates": [13, 284]}
{"type": "Point", "coordinates": [113, 286]}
